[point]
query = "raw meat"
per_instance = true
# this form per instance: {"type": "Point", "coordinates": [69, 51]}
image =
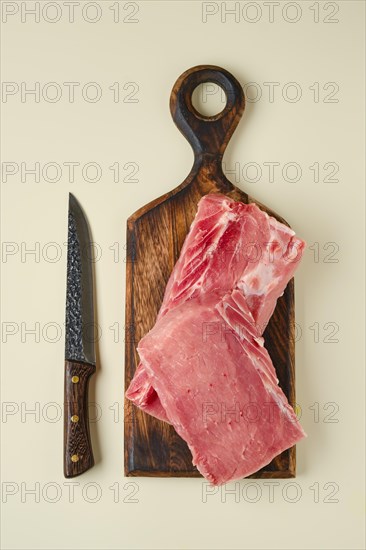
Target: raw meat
{"type": "Point", "coordinates": [203, 366]}
{"type": "Point", "coordinates": [229, 244]}
{"type": "Point", "coordinates": [218, 387]}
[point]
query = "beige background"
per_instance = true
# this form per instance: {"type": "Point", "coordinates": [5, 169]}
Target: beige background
{"type": "Point", "coordinates": [324, 506]}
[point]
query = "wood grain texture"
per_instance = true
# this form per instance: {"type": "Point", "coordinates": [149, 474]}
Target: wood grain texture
{"type": "Point", "coordinates": [78, 454]}
{"type": "Point", "coordinates": [155, 235]}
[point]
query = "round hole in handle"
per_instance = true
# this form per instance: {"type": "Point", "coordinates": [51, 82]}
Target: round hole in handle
{"type": "Point", "coordinates": [208, 135]}
{"type": "Point", "coordinates": [208, 100]}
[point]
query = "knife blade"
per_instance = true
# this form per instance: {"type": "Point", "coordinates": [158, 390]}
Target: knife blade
{"type": "Point", "coordinates": [80, 362]}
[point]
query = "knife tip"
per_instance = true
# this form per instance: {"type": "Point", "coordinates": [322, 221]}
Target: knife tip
{"type": "Point", "coordinates": [73, 202]}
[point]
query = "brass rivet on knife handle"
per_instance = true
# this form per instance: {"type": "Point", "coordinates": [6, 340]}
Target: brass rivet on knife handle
{"type": "Point", "coordinates": [78, 455]}
{"type": "Point", "coordinates": [207, 135]}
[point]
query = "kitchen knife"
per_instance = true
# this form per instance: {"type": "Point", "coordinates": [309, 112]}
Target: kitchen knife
{"type": "Point", "coordinates": [79, 343]}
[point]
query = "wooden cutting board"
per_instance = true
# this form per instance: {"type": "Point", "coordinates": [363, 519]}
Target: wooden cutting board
{"type": "Point", "coordinates": [155, 235]}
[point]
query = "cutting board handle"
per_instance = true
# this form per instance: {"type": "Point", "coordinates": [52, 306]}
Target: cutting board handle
{"type": "Point", "coordinates": [208, 135]}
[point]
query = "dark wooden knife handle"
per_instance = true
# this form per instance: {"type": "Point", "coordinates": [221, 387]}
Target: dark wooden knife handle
{"type": "Point", "coordinates": [78, 454]}
{"type": "Point", "coordinates": [208, 135]}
